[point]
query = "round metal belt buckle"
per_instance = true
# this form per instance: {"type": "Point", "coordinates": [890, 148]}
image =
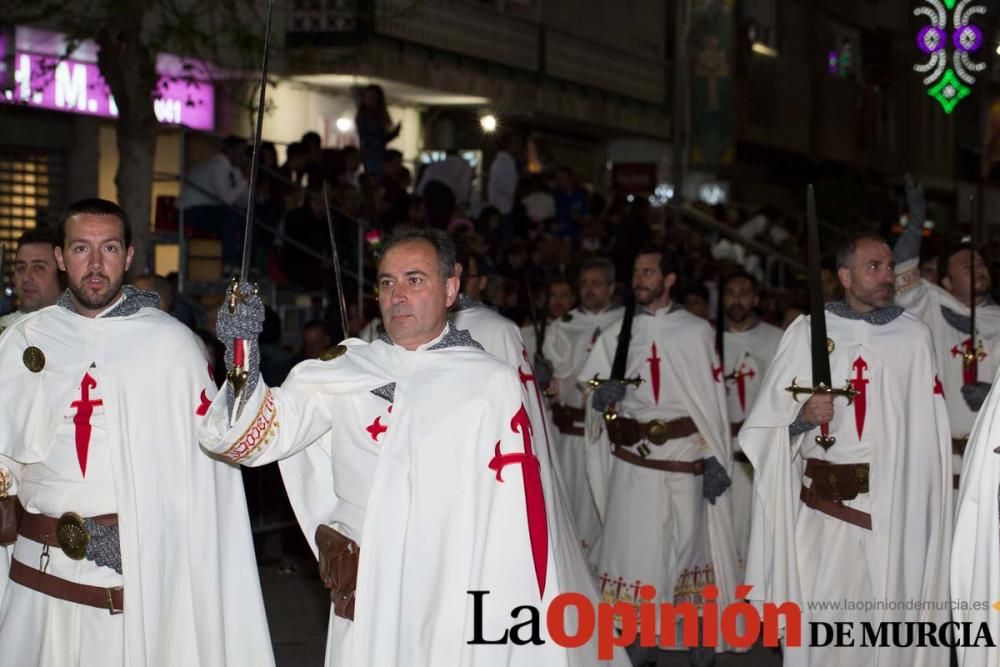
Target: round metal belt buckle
{"type": "Point", "coordinates": [72, 535]}
{"type": "Point", "coordinates": [656, 431]}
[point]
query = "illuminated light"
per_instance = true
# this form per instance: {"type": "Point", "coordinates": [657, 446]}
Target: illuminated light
{"type": "Point", "coordinates": [949, 91]}
{"type": "Point", "coordinates": [488, 122]}
{"type": "Point", "coordinates": [344, 124]}
{"type": "Point", "coordinates": [763, 49]}
{"type": "Point", "coordinates": [832, 63]}
{"type": "Point", "coordinates": [712, 194]}
{"type": "Point", "coordinates": [949, 85]}
{"type": "Point", "coordinates": [967, 38]}
{"type": "Point", "coordinates": [662, 194]}
{"type": "Point", "coordinates": [930, 39]}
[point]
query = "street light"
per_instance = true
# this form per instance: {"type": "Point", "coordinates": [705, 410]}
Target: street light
{"type": "Point", "coordinates": [488, 122]}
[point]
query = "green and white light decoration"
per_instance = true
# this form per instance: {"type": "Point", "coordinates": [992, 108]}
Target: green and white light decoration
{"type": "Point", "coordinates": [949, 69]}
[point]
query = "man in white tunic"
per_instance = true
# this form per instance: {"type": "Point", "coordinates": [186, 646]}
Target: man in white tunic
{"type": "Point", "coordinates": [869, 518]}
{"type": "Point", "coordinates": [415, 457]}
{"type": "Point", "coordinates": [975, 554]}
{"type": "Point", "coordinates": [135, 547]}
{"type": "Point", "coordinates": [36, 276]}
{"type": "Point", "coordinates": [559, 302]}
{"type": "Point", "coordinates": [749, 346]}
{"type": "Point", "coordinates": [567, 347]}
{"type": "Point", "coordinates": [659, 470]}
{"type": "Point", "coordinates": [944, 307]}
{"type": "Point", "coordinates": [36, 284]}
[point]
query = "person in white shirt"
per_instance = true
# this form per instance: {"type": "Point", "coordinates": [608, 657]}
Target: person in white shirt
{"type": "Point", "coordinates": [445, 185]}
{"type": "Point", "coordinates": [214, 192]}
{"type": "Point", "coordinates": [503, 181]}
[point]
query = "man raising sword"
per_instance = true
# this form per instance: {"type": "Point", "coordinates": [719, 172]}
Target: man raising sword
{"type": "Point", "coordinates": [964, 324]}
{"type": "Point", "coordinates": [852, 495]}
{"type": "Point", "coordinates": [414, 462]}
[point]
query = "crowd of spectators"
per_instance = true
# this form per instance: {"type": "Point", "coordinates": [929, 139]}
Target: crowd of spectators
{"type": "Point", "coordinates": [526, 228]}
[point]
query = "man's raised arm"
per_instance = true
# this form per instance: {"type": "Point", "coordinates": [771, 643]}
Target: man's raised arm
{"type": "Point", "coordinates": [910, 291]}
{"type": "Point", "coordinates": [248, 422]}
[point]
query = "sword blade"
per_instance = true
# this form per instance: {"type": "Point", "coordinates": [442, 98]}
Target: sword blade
{"type": "Point", "coordinates": [336, 264]}
{"type": "Point", "coordinates": [817, 319]}
{"type": "Point", "coordinates": [255, 156]}
{"type": "Point", "coordinates": [618, 365]}
{"type": "Point", "coordinates": [973, 360]}
{"type": "Point", "coordinates": [720, 329]}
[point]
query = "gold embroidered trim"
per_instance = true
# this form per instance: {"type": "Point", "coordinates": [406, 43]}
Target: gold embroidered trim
{"type": "Point", "coordinates": [906, 280]}
{"type": "Point", "coordinates": [258, 434]}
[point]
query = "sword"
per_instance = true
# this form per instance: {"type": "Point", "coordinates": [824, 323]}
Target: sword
{"type": "Point", "coordinates": [3, 253]}
{"type": "Point", "coordinates": [970, 358]}
{"type": "Point", "coordinates": [336, 264]}
{"type": "Point", "coordinates": [720, 330]}
{"type": "Point", "coordinates": [540, 361]}
{"type": "Point", "coordinates": [621, 357]}
{"type": "Point", "coordinates": [820, 344]}
{"type": "Point", "coordinates": [238, 374]}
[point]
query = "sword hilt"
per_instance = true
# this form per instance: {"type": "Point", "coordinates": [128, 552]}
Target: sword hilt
{"type": "Point", "coordinates": [847, 391]}
{"type": "Point", "coordinates": [597, 382]}
{"type": "Point", "coordinates": [236, 296]}
{"type": "Point", "coordinates": [970, 357]}
{"type": "Point", "coordinates": [734, 375]}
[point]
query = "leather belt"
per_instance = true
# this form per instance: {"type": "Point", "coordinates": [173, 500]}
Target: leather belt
{"type": "Point", "coordinates": [837, 510]}
{"type": "Point", "coordinates": [689, 467]}
{"type": "Point", "coordinates": [958, 445]}
{"type": "Point", "coordinates": [567, 417]}
{"type": "Point", "coordinates": [112, 599]}
{"type": "Point", "coordinates": [67, 532]}
{"type": "Point", "coordinates": [625, 432]}
{"type": "Point", "coordinates": [837, 481]}
{"type": "Point", "coordinates": [734, 429]}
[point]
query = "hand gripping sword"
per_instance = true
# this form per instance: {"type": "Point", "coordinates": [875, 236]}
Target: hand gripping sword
{"type": "Point", "coordinates": [621, 357]}
{"type": "Point", "coordinates": [820, 344]}
{"type": "Point", "coordinates": [238, 374]}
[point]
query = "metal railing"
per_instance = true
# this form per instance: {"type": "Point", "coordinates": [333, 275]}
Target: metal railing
{"type": "Point", "coordinates": [361, 225]}
{"type": "Point", "coordinates": [774, 257]}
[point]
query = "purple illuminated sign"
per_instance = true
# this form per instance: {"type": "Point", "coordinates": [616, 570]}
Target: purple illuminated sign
{"type": "Point", "coordinates": [78, 87]}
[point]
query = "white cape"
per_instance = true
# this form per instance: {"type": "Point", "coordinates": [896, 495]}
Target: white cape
{"type": "Point", "coordinates": [910, 475]}
{"type": "Point", "coordinates": [192, 595]}
{"type": "Point", "coordinates": [437, 522]}
{"type": "Point", "coordinates": [975, 556]}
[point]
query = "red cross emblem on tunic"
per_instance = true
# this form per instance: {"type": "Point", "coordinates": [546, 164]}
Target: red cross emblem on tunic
{"type": "Point", "coordinates": [202, 408]}
{"type": "Point", "coordinates": [81, 420]}
{"type": "Point", "coordinates": [740, 376]}
{"type": "Point", "coordinates": [860, 384]}
{"type": "Point", "coordinates": [969, 370]}
{"type": "Point", "coordinates": [376, 428]}
{"type": "Point", "coordinates": [534, 497]}
{"type": "Point", "coordinates": [654, 373]}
